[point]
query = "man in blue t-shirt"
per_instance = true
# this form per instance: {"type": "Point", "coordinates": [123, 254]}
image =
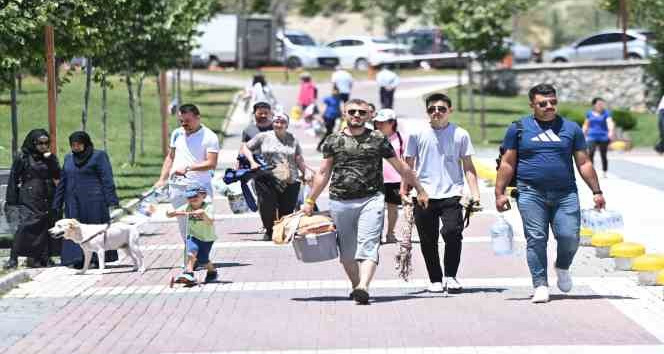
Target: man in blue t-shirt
{"type": "Point", "coordinates": [547, 195]}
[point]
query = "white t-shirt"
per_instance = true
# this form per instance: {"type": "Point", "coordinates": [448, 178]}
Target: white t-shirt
{"type": "Point", "coordinates": [193, 149]}
{"type": "Point", "coordinates": [343, 80]}
{"type": "Point", "coordinates": [386, 78]}
{"type": "Point", "coordinates": [438, 154]}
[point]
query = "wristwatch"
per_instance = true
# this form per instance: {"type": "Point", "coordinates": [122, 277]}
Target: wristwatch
{"type": "Point", "coordinates": [599, 191]}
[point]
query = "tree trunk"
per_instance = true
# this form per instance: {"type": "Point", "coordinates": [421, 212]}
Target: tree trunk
{"type": "Point", "coordinates": [141, 126]}
{"type": "Point", "coordinates": [459, 100]}
{"type": "Point", "coordinates": [19, 79]}
{"type": "Point", "coordinates": [191, 76]}
{"type": "Point", "coordinates": [104, 110]}
{"type": "Point", "coordinates": [132, 121]}
{"type": "Point", "coordinates": [179, 87]}
{"type": "Point", "coordinates": [14, 115]}
{"type": "Point", "coordinates": [173, 86]}
{"type": "Point", "coordinates": [471, 94]}
{"type": "Point", "coordinates": [483, 103]}
{"type": "Point", "coordinates": [86, 95]}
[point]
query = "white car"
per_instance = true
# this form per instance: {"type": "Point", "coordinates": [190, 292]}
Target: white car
{"type": "Point", "coordinates": [605, 45]}
{"type": "Point", "coordinates": [358, 52]}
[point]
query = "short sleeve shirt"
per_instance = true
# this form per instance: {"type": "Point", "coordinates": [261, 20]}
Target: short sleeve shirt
{"type": "Point", "coordinates": [357, 171]}
{"type": "Point", "coordinates": [252, 129]}
{"type": "Point", "coordinates": [198, 228]}
{"type": "Point", "coordinates": [545, 152]}
{"type": "Point", "coordinates": [598, 127]}
{"type": "Point", "coordinates": [193, 149]}
{"type": "Point", "coordinates": [332, 107]}
{"type": "Point", "coordinates": [438, 154]}
{"type": "Point", "coordinates": [278, 152]}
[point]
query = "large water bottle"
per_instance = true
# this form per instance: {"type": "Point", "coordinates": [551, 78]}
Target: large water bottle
{"type": "Point", "coordinates": [501, 236]}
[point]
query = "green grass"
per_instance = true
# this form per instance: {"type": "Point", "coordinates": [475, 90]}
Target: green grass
{"type": "Point", "coordinates": [278, 76]}
{"type": "Point", "coordinates": [130, 180]}
{"type": "Point", "coordinates": [501, 111]}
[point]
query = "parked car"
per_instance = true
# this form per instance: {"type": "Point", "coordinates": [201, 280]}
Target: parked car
{"type": "Point", "coordinates": [302, 51]}
{"type": "Point", "coordinates": [606, 45]}
{"type": "Point", "coordinates": [359, 52]}
{"type": "Point", "coordinates": [422, 42]}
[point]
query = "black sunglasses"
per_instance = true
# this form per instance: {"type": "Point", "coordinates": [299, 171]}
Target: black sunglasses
{"type": "Point", "coordinates": [441, 109]}
{"type": "Point", "coordinates": [361, 112]}
{"type": "Point", "coordinates": [543, 104]}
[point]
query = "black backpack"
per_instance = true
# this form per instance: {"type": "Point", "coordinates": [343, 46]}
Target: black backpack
{"type": "Point", "coordinates": [501, 151]}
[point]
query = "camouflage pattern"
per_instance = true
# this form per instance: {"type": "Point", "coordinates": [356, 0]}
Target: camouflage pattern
{"type": "Point", "coordinates": [357, 171]}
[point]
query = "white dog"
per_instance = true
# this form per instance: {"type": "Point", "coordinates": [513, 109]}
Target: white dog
{"type": "Point", "coordinates": [99, 238]}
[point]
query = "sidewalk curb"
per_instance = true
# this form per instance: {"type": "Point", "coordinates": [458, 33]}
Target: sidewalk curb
{"type": "Point", "coordinates": [10, 280]}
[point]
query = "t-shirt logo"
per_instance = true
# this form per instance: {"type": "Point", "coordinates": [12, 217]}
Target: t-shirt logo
{"type": "Point", "coordinates": [546, 136]}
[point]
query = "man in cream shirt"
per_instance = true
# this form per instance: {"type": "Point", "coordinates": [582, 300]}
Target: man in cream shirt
{"type": "Point", "coordinates": [192, 158]}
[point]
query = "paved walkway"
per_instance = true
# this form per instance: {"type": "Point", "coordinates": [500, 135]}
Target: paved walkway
{"type": "Point", "coordinates": [268, 302]}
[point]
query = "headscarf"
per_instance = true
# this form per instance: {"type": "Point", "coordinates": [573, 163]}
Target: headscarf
{"type": "Point", "coordinates": [30, 143]}
{"type": "Point", "coordinates": [80, 158]}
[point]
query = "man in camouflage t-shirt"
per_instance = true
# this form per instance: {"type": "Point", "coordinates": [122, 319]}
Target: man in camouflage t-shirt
{"type": "Point", "coordinates": [353, 159]}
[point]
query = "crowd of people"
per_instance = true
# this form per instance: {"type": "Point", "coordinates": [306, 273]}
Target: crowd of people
{"type": "Point", "coordinates": [369, 165]}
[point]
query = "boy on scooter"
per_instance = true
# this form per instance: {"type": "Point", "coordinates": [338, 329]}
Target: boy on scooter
{"type": "Point", "coordinates": [200, 234]}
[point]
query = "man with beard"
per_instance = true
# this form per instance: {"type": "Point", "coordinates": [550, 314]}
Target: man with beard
{"type": "Point", "coordinates": [543, 148]}
{"type": "Point", "coordinates": [262, 121]}
{"type": "Point", "coordinates": [353, 160]}
{"type": "Point", "coordinates": [192, 155]}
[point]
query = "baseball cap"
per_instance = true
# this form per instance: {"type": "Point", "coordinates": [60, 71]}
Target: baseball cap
{"type": "Point", "coordinates": [384, 115]}
{"type": "Point", "coordinates": [193, 190]}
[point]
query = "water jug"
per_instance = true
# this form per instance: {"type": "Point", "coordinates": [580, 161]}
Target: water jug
{"type": "Point", "coordinates": [501, 236]}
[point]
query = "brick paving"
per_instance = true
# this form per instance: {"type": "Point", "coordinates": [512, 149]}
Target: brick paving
{"type": "Point", "coordinates": [267, 301]}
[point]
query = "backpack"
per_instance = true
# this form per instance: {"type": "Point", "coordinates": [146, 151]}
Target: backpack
{"type": "Point", "coordinates": [501, 151]}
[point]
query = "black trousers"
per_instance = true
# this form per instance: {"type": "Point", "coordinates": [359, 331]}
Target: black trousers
{"type": "Point", "coordinates": [386, 98]}
{"type": "Point", "coordinates": [659, 147]}
{"type": "Point", "coordinates": [274, 201]}
{"type": "Point", "coordinates": [329, 129]}
{"type": "Point", "coordinates": [603, 148]}
{"type": "Point", "coordinates": [449, 212]}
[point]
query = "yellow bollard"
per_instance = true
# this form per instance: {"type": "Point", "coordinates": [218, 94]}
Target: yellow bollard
{"type": "Point", "coordinates": [660, 278]}
{"type": "Point", "coordinates": [585, 236]}
{"type": "Point", "coordinates": [603, 242]}
{"type": "Point", "coordinates": [624, 252]}
{"type": "Point", "coordinates": [648, 266]}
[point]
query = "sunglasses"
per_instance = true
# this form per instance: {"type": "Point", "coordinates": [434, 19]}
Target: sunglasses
{"type": "Point", "coordinates": [361, 112]}
{"type": "Point", "coordinates": [543, 104]}
{"type": "Point", "coordinates": [42, 143]}
{"type": "Point", "coordinates": [432, 109]}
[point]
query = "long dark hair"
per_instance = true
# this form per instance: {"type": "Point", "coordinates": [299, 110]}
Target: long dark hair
{"type": "Point", "coordinates": [401, 148]}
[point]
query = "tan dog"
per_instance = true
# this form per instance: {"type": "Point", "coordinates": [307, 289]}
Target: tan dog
{"type": "Point", "coordinates": [99, 238]}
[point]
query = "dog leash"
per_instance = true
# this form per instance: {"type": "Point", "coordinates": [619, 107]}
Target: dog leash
{"type": "Point", "coordinates": [104, 231]}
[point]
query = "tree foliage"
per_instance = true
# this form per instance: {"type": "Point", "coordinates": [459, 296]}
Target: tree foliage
{"type": "Point", "coordinates": [476, 25]}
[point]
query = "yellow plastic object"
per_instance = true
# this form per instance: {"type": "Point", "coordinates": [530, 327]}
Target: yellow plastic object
{"type": "Point", "coordinates": [660, 278]}
{"type": "Point", "coordinates": [586, 232]}
{"type": "Point", "coordinates": [627, 250]}
{"type": "Point", "coordinates": [648, 263]}
{"type": "Point", "coordinates": [606, 239]}
{"type": "Point", "coordinates": [296, 113]}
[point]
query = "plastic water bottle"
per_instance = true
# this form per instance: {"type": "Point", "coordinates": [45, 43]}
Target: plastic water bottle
{"type": "Point", "coordinates": [501, 236]}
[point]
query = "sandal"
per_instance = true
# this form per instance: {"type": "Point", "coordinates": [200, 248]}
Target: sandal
{"type": "Point", "coordinates": [361, 296]}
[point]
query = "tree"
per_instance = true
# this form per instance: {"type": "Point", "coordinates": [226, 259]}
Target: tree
{"type": "Point", "coordinates": [480, 27]}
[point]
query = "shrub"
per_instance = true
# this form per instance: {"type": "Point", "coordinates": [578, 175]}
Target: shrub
{"type": "Point", "coordinates": [574, 114]}
{"type": "Point", "coordinates": [624, 119]}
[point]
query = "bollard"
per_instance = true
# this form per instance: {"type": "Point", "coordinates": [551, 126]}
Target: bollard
{"type": "Point", "coordinates": [624, 253]}
{"type": "Point", "coordinates": [660, 277]}
{"type": "Point", "coordinates": [603, 242]}
{"type": "Point", "coordinates": [585, 236]}
{"type": "Point", "coordinates": [648, 266]}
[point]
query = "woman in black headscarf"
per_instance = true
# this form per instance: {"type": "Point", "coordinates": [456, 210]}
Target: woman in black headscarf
{"type": "Point", "coordinates": [30, 192]}
{"type": "Point", "coordinates": [87, 191]}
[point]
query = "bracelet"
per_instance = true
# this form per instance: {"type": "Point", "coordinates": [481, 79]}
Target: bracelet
{"type": "Point", "coordinates": [309, 201]}
{"type": "Point", "coordinates": [599, 191]}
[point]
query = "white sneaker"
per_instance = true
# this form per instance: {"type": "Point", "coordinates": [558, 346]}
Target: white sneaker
{"type": "Point", "coordinates": [541, 294]}
{"type": "Point", "coordinates": [453, 285]}
{"type": "Point", "coordinates": [564, 280]}
{"type": "Point", "coordinates": [436, 287]}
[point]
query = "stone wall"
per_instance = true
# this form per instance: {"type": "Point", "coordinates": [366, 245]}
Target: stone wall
{"type": "Point", "coordinates": [620, 83]}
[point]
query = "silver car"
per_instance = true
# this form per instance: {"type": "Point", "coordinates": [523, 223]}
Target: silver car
{"type": "Point", "coordinates": [302, 51]}
{"type": "Point", "coordinates": [605, 45]}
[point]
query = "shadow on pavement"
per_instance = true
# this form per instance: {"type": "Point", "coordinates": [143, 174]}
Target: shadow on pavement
{"type": "Point", "coordinates": [559, 297]}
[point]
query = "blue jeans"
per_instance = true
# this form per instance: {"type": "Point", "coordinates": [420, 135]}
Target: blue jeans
{"type": "Point", "coordinates": [540, 208]}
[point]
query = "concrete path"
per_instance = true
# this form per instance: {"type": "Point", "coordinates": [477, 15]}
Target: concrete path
{"type": "Point", "coordinates": [268, 302]}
